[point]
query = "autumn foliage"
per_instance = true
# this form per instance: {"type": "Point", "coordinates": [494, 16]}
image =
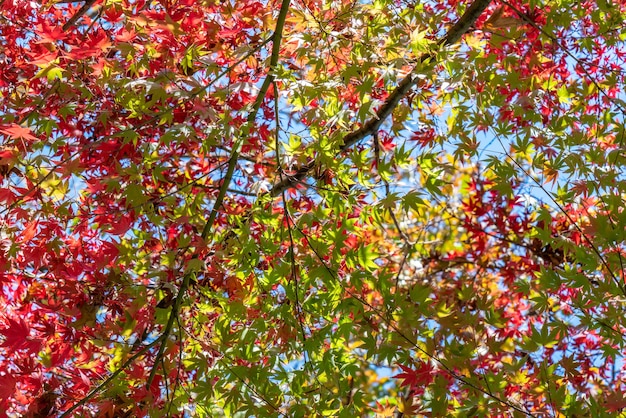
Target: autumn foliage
{"type": "Point", "coordinates": [312, 208]}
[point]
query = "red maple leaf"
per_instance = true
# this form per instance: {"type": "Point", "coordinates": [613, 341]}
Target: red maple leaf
{"type": "Point", "coordinates": [121, 226]}
{"type": "Point", "coordinates": [17, 336]}
{"type": "Point", "coordinates": [7, 155]}
{"type": "Point", "coordinates": [49, 34]}
{"type": "Point", "coordinates": [417, 379]}
{"type": "Point", "coordinates": [29, 231]}
{"type": "Point", "coordinates": [42, 56]}
{"type": "Point", "coordinates": [90, 47]}
{"type": "Point", "coordinates": [615, 402]}
{"type": "Point", "coordinates": [98, 41]}
{"type": "Point", "coordinates": [7, 196]}
{"type": "Point", "coordinates": [424, 137]}
{"type": "Point", "coordinates": [386, 143]}
{"type": "Point", "coordinates": [7, 387]}
{"type": "Point", "coordinates": [125, 35]}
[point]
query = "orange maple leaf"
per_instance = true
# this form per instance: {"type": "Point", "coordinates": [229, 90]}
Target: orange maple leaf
{"type": "Point", "coordinates": [19, 132]}
{"type": "Point", "coordinates": [49, 34]}
{"type": "Point", "coordinates": [29, 231]}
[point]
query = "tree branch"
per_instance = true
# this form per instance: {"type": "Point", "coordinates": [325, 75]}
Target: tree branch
{"type": "Point", "coordinates": [234, 157]}
{"type": "Point", "coordinates": [78, 14]}
{"type": "Point", "coordinates": [108, 380]}
{"type": "Point", "coordinates": [453, 35]}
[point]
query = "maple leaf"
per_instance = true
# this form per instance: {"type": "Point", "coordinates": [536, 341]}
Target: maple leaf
{"type": "Point", "coordinates": [615, 401]}
{"type": "Point", "coordinates": [42, 406]}
{"type": "Point", "coordinates": [6, 156]}
{"type": "Point", "coordinates": [7, 386]}
{"type": "Point", "coordinates": [98, 41]}
{"type": "Point", "coordinates": [7, 196]}
{"type": "Point", "coordinates": [121, 226]}
{"type": "Point", "coordinates": [7, 162]}
{"type": "Point", "coordinates": [42, 57]}
{"type": "Point", "coordinates": [49, 34]}
{"type": "Point", "coordinates": [386, 143]}
{"type": "Point", "coordinates": [416, 379]}
{"type": "Point", "coordinates": [18, 132]}
{"type": "Point", "coordinates": [385, 411]}
{"type": "Point", "coordinates": [17, 336]}
{"type": "Point", "coordinates": [407, 407]}
{"type": "Point", "coordinates": [424, 137]}
{"type": "Point", "coordinates": [125, 35]}
{"type": "Point", "coordinates": [93, 46]}
{"type": "Point", "coordinates": [29, 232]}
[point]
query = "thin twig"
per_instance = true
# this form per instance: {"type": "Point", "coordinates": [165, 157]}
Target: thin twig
{"type": "Point", "coordinates": [78, 15]}
{"type": "Point", "coordinates": [109, 379]}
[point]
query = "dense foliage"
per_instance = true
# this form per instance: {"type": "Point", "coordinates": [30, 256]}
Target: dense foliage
{"type": "Point", "coordinates": [312, 208]}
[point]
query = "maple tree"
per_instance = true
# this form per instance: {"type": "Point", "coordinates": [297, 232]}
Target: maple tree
{"type": "Point", "coordinates": [312, 208]}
